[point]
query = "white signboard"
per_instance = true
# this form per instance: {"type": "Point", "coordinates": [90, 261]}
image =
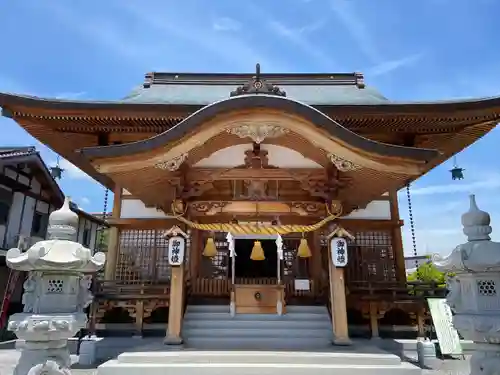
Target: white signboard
{"type": "Point", "coordinates": [447, 335]}
{"type": "Point", "coordinates": [302, 284]}
{"type": "Point", "coordinates": [338, 248]}
{"type": "Point", "coordinates": [176, 249]}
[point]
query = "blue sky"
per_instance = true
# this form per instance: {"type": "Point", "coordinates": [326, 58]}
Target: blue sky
{"type": "Point", "coordinates": [409, 50]}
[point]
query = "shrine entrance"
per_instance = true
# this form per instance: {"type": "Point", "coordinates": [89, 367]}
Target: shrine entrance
{"type": "Point", "coordinates": [256, 275]}
{"type": "Point", "coordinates": [247, 268]}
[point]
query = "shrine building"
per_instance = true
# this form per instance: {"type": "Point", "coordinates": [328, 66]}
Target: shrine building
{"type": "Point", "coordinates": [262, 175]}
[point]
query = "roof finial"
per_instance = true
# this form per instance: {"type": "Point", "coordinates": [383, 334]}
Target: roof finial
{"type": "Point", "coordinates": [258, 85]}
{"type": "Point", "coordinates": [257, 72]}
{"type": "Point", "coordinates": [63, 223]}
{"type": "Point", "coordinates": [476, 222]}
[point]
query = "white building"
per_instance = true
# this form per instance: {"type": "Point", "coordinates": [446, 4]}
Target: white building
{"type": "Point", "coordinates": [413, 262]}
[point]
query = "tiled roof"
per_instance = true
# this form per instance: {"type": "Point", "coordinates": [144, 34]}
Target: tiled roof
{"type": "Point", "coordinates": [207, 94]}
{"type": "Point", "coordinates": [9, 152]}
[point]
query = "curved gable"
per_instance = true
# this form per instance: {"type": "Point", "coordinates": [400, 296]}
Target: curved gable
{"type": "Point", "coordinates": [267, 102]}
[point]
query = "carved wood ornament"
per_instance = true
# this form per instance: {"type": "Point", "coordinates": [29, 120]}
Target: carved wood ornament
{"type": "Point", "coordinates": [256, 180]}
{"type": "Point", "coordinates": [257, 85]}
{"type": "Point", "coordinates": [257, 132]}
{"type": "Point", "coordinates": [342, 164]}
{"type": "Point", "coordinates": [173, 164]}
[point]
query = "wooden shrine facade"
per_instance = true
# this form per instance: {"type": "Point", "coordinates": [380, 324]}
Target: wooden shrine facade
{"type": "Point", "coordinates": [262, 153]}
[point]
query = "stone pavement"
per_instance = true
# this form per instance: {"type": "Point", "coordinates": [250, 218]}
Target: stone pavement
{"type": "Point", "coordinates": [8, 359]}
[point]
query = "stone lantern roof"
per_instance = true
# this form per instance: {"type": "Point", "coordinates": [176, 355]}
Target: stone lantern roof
{"type": "Point", "coordinates": [60, 252]}
{"type": "Point", "coordinates": [479, 253]}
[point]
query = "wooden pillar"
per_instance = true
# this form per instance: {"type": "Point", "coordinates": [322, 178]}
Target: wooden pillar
{"type": "Point", "coordinates": [338, 303]}
{"type": "Point", "coordinates": [139, 317]}
{"type": "Point", "coordinates": [397, 238]}
{"type": "Point", "coordinates": [113, 237]}
{"type": "Point", "coordinates": [374, 320]}
{"type": "Point", "coordinates": [420, 323]}
{"type": "Point", "coordinates": [175, 306]}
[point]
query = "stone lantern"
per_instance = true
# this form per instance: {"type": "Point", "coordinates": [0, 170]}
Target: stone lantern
{"type": "Point", "coordinates": [474, 291]}
{"type": "Point", "coordinates": [56, 293]}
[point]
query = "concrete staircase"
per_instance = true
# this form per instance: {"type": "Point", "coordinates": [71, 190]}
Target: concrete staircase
{"type": "Point", "coordinates": [297, 343]}
{"type": "Point", "coordinates": [301, 328]}
{"type": "Point", "coordinates": [256, 363]}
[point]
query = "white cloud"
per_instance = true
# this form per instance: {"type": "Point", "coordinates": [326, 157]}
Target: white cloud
{"type": "Point", "coordinates": [226, 24]}
{"type": "Point", "coordinates": [84, 201]}
{"type": "Point", "coordinates": [298, 36]}
{"type": "Point", "coordinates": [366, 41]}
{"type": "Point", "coordinates": [161, 34]}
{"type": "Point", "coordinates": [70, 95]}
{"type": "Point", "coordinates": [345, 12]}
{"type": "Point", "coordinates": [231, 49]}
{"type": "Point", "coordinates": [437, 211]}
{"type": "Point", "coordinates": [493, 182]}
{"type": "Point", "coordinates": [391, 65]}
{"type": "Point", "coordinates": [101, 30]}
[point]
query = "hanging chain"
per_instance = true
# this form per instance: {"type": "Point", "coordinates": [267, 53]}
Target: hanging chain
{"type": "Point", "coordinates": [104, 214]}
{"type": "Point", "coordinates": [412, 222]}
{"type": "Point", "coordinates": [94, 287]}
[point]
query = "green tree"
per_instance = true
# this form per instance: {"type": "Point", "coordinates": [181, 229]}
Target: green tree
{"type": "Point", "coordinates": [428, 273]}
{"type": "Point", "coordinates": [102, 239]}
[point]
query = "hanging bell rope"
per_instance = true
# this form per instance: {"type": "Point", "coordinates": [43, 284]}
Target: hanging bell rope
{"type": "Point", "coordinates": [210, 249]}
{"type": "Point", "coordinates": [304, 251]}
{"type": "Point", "coordinates": [257, 251]}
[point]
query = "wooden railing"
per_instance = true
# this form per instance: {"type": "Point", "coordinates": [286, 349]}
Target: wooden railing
{"type": "Point", "coordinates": [222, 287]}
{"type": "Point", "coordinates": [393, 291]}
{"type": "Point", "coordinates": [202, 287]}
{"type": "Point", "coordinates": [119, 290]}
{"type": "Point", "coordinates": [115, 289]}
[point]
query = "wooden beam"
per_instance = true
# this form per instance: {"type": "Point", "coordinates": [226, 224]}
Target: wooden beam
{"type": "Point", "coordinates": [165, 223]}
{"type": "Point", "coordinates": [272, 207]}
{"type": "Point", "coordinates": [151, 223]}
{"type": "Point", "coordinates": [262, 174]}
{"type": "Point", "coordinates": [369, 224]}
{"type": "Point", "coordinates": [114, 237]}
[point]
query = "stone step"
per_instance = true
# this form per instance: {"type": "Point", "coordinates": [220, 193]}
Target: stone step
{"type": "Point", "coordinates": [113, 367]}
{"type": "Point", "coordinates": [257, 324]}
{"type": "Point", "coordinates": [287, 333]}
{"type": "Point", "coordinates": [253, 317]}
{"type": "Point", "coordinates": [343, 357]}
{"type": "Point", "coordinates": [258, 343]}
{"type": "Point", "coordinates": [256, 363]}
{"type": "Point", "coordinates": [301, 328]}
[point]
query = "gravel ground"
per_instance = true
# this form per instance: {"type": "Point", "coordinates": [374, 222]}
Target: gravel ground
{"type": "Point", "coordinates": [8, 359]}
